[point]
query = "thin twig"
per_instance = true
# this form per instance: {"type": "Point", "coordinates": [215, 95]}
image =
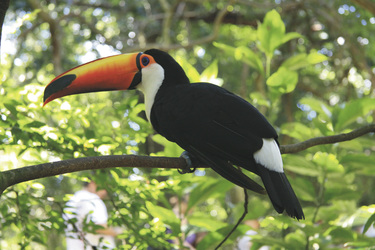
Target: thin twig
{"type": "Point", "coordinates": [239, 220]}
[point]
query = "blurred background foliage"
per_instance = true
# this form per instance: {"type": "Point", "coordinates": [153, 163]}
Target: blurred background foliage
{"type": "Point", "coordinates": [308, 66]}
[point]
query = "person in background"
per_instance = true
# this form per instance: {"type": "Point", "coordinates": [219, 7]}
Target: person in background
{"type": "Point", "coordinates": [244, 243]}
{"type": "Point", "coordinates": [86, 206]}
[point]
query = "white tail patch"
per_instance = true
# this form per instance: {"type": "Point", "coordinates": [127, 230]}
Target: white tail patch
{"type": "Point", "coordinates": [269, 156]}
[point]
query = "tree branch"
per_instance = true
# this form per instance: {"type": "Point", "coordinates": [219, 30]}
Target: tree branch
{"type": "Point", "coordinates": [18, 175]}
{"type": "Point", "coordinates": [14, 176]}
{"type": "Point", "coordinates": [83, 21]}
{"type": "Point", "coordinates": [209, 38]}
{"type": "Point", "coordinates": [4, 5]}
{"type": "Point", "coordinates": [168, 10]}
{"type": "Point", "coordinates": [56, 38]}
{"type": "Point", "coordinates": [366, 5]}
{"type": "Point", "coordinates": [294, 148]}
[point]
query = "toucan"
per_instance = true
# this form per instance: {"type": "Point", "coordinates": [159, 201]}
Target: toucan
{"type": "Point", "coordinates": [214, 126]}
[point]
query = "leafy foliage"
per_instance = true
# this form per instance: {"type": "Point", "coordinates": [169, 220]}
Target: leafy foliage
{"type": "Point", "coordinates": [308, 76]}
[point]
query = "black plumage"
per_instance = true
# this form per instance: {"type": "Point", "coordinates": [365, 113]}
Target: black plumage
{"type": "Point", "coordinates": [220, 129]}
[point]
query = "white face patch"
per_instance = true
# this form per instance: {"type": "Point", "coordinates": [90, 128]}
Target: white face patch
{"type": "Point", "coordinates": [152, 78]}
{"type": "Point", "coordinates": [269, 156]}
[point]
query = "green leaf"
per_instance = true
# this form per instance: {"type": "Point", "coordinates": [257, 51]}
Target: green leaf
{"type": "Point", "coordinates": [358, 163]}
{"type": "Point", "coordinates": [271, 32]}
{"type": "Point", "coordinates": [206, 189]}
{"type": "Point", "coordinates": [171, 149]}
{"type": "Point", "coordinates": [324, 127]}
{"type": "Point", "coordinates": [189, 69]}
{"type": "Point", "coordinates": [226, 48]}
{"type": "Point", "coordinates": [284, 80]}
{"type": "Point", "coordinates": [355, 145]}
{"type": "Point", "coordinates": [291, 35]}
{"type": "Point", "coordinates": [299, 164]}
{"type": "Point", "coordinates": [258, 208]}
{"type": "Point", "coordinates": [37, 185]}
{"type": "Point", "coordinates": [258, 98]}
{"type": "Point", "coordinates": [243, 54]}
{"type": "Point", "coordinates": [298, 131]}
{"type": "Point", "coordinates": [167, 216]}
{"type": "Point", "coordinates": [248, 56]}
{"type": "Point", "coordinates": [296, 240]}
{"type": "Point", "coordinates": [328, 162]}
{"type": "Point", "coordinates": [296, 62]}
{"type": "Point", "coordinates": [353, 110]}
{"type": "Point", "coordinates": [277, 243]}
{"type": "Point", "coordinates": [340, 233]}
{"type": "Point", "coordinates": [369, 222]}
{"type": "Point", "coordinates": [304, 189]}
{"type": "Point", "coordinates": [210, 72]}
{"type": "Point", "coordinates": [35, 124]}
{"type": "Point", "coordinates": [314, 57]}
{"type": "Point", "coordinates": [366, 243]}
{"type": "Point", "coordinates": [11, 106]}
{"type": "Point", "coordinates": [318, 106]}
{"type": "Point", "coordinates": [339, 189]}
{"type": "Point", "coordinates": [212, 239]}
{"type": "Point", "coordinates": [203, 220]}
{"type": "Point", "coordinates": [303, 60]}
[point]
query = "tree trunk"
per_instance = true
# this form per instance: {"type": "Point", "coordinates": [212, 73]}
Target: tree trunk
{"type": "Point", "coordinates": [4, 5]}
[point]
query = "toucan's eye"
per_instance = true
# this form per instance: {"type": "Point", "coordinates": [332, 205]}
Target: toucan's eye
{"type": "Point", "coordinates": [145, 61]}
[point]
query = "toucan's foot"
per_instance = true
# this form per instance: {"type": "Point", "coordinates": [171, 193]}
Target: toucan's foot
{"type": "Point", "coordinates": [189, 162]}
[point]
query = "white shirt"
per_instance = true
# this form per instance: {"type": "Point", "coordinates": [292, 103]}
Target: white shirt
{"type": "Point", "coordinates": [85, 204]}
{"type": "Point", "coordinates": [245, 243]}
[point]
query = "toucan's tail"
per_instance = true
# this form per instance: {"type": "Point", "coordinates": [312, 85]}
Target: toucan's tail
{"type": "Point", "coordinates": [280, 192]}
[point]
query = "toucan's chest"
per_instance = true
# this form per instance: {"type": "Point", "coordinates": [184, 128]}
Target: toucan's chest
{"type": "Point", "coordinates": [186, 107]}
{"type": "Point", "coordinates": [173, 105]}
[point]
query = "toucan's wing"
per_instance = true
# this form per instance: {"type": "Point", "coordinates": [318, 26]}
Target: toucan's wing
{"type": "Point", "coordinates": [210, 114]}
{"type": "Point", "coordinates": [226, 170]}
{"type": "Point", "coordinates": [213, 124]}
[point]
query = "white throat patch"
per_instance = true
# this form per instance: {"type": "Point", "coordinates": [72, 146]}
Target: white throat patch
{"type": "Point", "coordinates": [269, 156]}
{"type": "Point", "coordinates": [152, 78]}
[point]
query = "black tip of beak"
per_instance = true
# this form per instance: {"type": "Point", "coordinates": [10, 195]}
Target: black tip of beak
{"type": "Point", "coordinates": [57, 85]}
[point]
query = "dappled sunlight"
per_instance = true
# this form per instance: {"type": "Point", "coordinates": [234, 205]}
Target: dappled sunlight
{"type": "Point", "coordinates": [307, 66]}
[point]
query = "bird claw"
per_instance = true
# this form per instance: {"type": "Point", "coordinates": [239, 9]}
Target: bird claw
{"type": "Point", "coordinates": [189, 168]}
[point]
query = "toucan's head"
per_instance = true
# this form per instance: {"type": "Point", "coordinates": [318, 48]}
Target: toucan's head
{"type": "Point", "coordinates": [119, 72]}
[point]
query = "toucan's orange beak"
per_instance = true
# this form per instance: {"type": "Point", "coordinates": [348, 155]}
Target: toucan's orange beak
{"type": "Point", "coordinates": [118, 72]}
